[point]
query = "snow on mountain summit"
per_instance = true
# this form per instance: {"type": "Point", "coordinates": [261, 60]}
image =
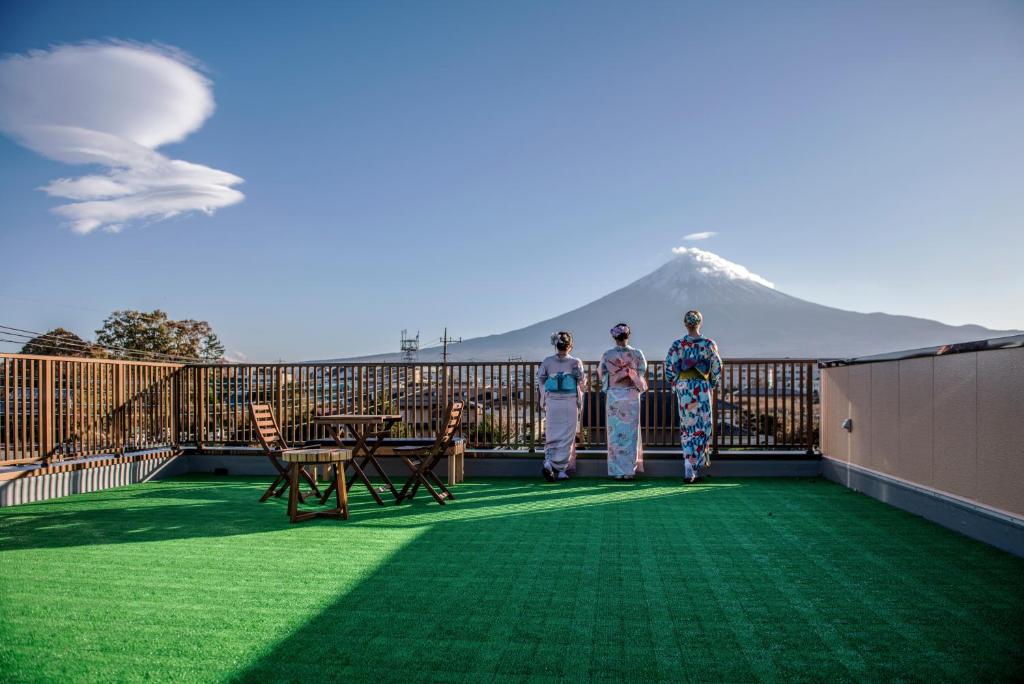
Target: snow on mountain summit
{"type": "Point", "coordinates": [693, 263]}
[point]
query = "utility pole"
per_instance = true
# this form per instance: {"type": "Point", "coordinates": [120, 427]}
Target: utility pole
{"type": "Point", "coordinates": [445, 341]}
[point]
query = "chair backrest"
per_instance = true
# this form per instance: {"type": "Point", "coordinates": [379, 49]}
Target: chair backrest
{"type": "Point", "coordinates": [446, 433]}
{"type": "Point", "coordinates": [267, 429]}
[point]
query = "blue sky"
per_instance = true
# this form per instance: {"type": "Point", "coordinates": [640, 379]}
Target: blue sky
{"type": "Point", "coordinates": [487, 165]}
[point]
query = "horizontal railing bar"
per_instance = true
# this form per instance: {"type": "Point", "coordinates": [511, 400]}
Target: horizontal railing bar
{"type": "Point", "coordinates": [86, 359]}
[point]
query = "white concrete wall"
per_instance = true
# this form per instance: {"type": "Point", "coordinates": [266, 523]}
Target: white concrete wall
{"type": "Point", "coordinates": [31, 488]}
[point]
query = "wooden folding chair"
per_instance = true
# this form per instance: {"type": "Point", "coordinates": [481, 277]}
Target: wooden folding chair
{"type": "Point", "coordinates": [275, 447]}
{"type": "Point", "coordinates": [421, 460]}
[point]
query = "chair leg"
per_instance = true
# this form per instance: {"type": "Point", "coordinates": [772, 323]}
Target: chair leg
{"type": "Point", "coordinates": [405, 488]}
{"type": "Point", "coordinates": [433, 492]}
{"type": "Point", "coordinates": [312, 482]}
{"type": "Point", "coordinates": [440, 484]}
{"type": "Point", "coordinates": [271, 490]}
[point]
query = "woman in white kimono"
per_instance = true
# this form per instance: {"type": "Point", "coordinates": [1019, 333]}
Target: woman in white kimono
{"type": "Point", "coordinates": [622, 372]}
{"type": "Point", "coordinates": [693, 366]}
{"type": "Point", "coordinates": [560, 380]}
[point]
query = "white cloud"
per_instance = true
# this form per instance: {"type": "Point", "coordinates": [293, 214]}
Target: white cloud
{"type": "Point", "coordinates": [701, 236]}
{"type": "Point", "coordinates": [709, 263]}
{"type": "Point", "coordinates": [112, 105]}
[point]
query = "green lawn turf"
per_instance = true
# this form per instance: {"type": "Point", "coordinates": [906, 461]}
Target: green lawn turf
{"type": "Point", "coordinates": [741, 579]}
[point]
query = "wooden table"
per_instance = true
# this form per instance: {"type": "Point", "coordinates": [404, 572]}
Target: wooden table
{"type": "Point", "coordinates": [357, 426]}
{"type": "Point", "coordinates": [336, 459]}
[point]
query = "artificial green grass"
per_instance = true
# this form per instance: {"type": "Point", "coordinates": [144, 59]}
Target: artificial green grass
{"type": "Point", "coordinates": [737, 580]}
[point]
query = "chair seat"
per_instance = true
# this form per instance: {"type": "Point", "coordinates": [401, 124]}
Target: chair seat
{"type": "Point", "coordinates": [316, 455]}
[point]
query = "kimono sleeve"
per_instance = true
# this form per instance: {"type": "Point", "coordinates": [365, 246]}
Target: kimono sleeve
{"type": "Point", "coordinates": [581, 380]}
{"type": "Point", "coordinates": [716, 365]}
{"type": "Point", "coordinates": [641, 362]}
{"type": "Point", "coordinates": [672, 362]}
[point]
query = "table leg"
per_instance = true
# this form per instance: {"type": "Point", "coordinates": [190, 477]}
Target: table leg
{"type": "Point", "coordinates": [361, 474]}
{"type": "Point", "coordinates": [359, 448]}
{"type": "Point", "coordinates": [369, 456]}
{"type": "Point", "coordinates": [341, 490]}
{"type": "Point", "coordinates": [293, 493]}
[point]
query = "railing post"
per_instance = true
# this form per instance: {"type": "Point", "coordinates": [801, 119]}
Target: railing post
{"type": "Point", "coordinates": [200, 395]}
{"type": "Point", "coordinates": [279, 400]}
{"type": "Point", "coordinates": [715, 429]}
{"type": "Point", "coordinates": [175, 379]}
{"type": "Point", "coordinates": [809, 390]}
{"type": "Point", "coordinates": [120, 407]}
{"type": "Point", "coordinates": [46, 410]}
{"type": "Point", "coordinates": [534, 419]}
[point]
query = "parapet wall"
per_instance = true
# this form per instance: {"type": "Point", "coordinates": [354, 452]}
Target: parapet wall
{"type": "Point", "coordinates": [950, 422]}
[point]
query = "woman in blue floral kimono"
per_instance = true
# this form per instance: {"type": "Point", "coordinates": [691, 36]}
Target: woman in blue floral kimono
{"type": "Point", "coordinates": [622, 373]}
{"type": "Point", "coordinates": [560, 380]}
{"type": "Point", "coordinates": [693, 366]}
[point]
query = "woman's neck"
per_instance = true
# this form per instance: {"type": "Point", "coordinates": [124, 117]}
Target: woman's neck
{"type": "Point", "coordinates": [562, 354]}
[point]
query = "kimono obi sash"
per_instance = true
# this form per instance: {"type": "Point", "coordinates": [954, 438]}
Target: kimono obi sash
{"type": "Point", "coordinates": [561, 383]}
{"type": "Point", "coordinates": [694, 370]}
{"type": "Point", "coordinates": [620, 370]}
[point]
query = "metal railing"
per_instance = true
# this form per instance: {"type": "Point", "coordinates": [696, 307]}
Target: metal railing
{"type": "Point", "coordinates": [759, 404]}
{"type": "Point", "coordinates": [55, 407]}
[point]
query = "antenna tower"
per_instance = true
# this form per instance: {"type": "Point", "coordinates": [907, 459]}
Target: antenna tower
{"type": "Point", "coordinates": [410, 347]}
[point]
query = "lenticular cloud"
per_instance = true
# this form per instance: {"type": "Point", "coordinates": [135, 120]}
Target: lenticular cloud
{"type": "Point", "coordinates": [112, 105]}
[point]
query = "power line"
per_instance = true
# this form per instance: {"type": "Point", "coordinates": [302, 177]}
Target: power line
{"type": "Point", "coordinates": [85, 346]}
{"type": "Point", "coordinates": [67, 347]}
{"type": "Point", "coordinates": [74, 345]}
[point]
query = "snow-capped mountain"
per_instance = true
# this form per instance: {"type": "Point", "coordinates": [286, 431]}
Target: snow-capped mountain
{"type": "Point", "coordinates": [743, 312]}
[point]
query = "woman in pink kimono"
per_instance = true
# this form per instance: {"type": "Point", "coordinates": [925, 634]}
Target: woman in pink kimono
{"type": "Point", "coordinates": [622, 372]}
{"type": "Point", "coordinates": [560, 380]}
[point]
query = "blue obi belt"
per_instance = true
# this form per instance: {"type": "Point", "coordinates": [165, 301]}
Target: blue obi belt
{"type": "Point", "coordinates": [560, 384]}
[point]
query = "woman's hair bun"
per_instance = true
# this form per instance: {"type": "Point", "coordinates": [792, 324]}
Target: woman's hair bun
{"type": "Point", "coordinates": [620, 331]}
{"type": "Point", "coordinates": [561, 340]}
{"type": "Point", "coordinates": [692, 318]}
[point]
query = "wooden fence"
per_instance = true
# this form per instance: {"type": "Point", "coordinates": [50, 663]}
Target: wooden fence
{"type": "Point", "coordinates": [59, 408]}
{"type": "Point", "coordinates": [56, 408]}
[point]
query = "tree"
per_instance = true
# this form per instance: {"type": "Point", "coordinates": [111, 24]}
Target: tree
{"type": "Point", "coordinates": [61, 342]}
{"type": "Point", "coordinates": [154, 332]}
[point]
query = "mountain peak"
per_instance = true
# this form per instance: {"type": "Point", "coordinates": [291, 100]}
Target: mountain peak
{"type": "Point", "coordinates": [692, 264]}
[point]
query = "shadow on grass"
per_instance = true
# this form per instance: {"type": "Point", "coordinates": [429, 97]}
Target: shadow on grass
{"type": "Point", "coordinates": [732, 580]}
{"type": "Point", "coordinates": [207, 506]}
{"type": "Point", "coordinates": [600, 582]}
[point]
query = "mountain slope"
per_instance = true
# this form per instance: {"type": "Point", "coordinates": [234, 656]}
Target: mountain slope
{"type": "Point", "coordinates": [742, 311]}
